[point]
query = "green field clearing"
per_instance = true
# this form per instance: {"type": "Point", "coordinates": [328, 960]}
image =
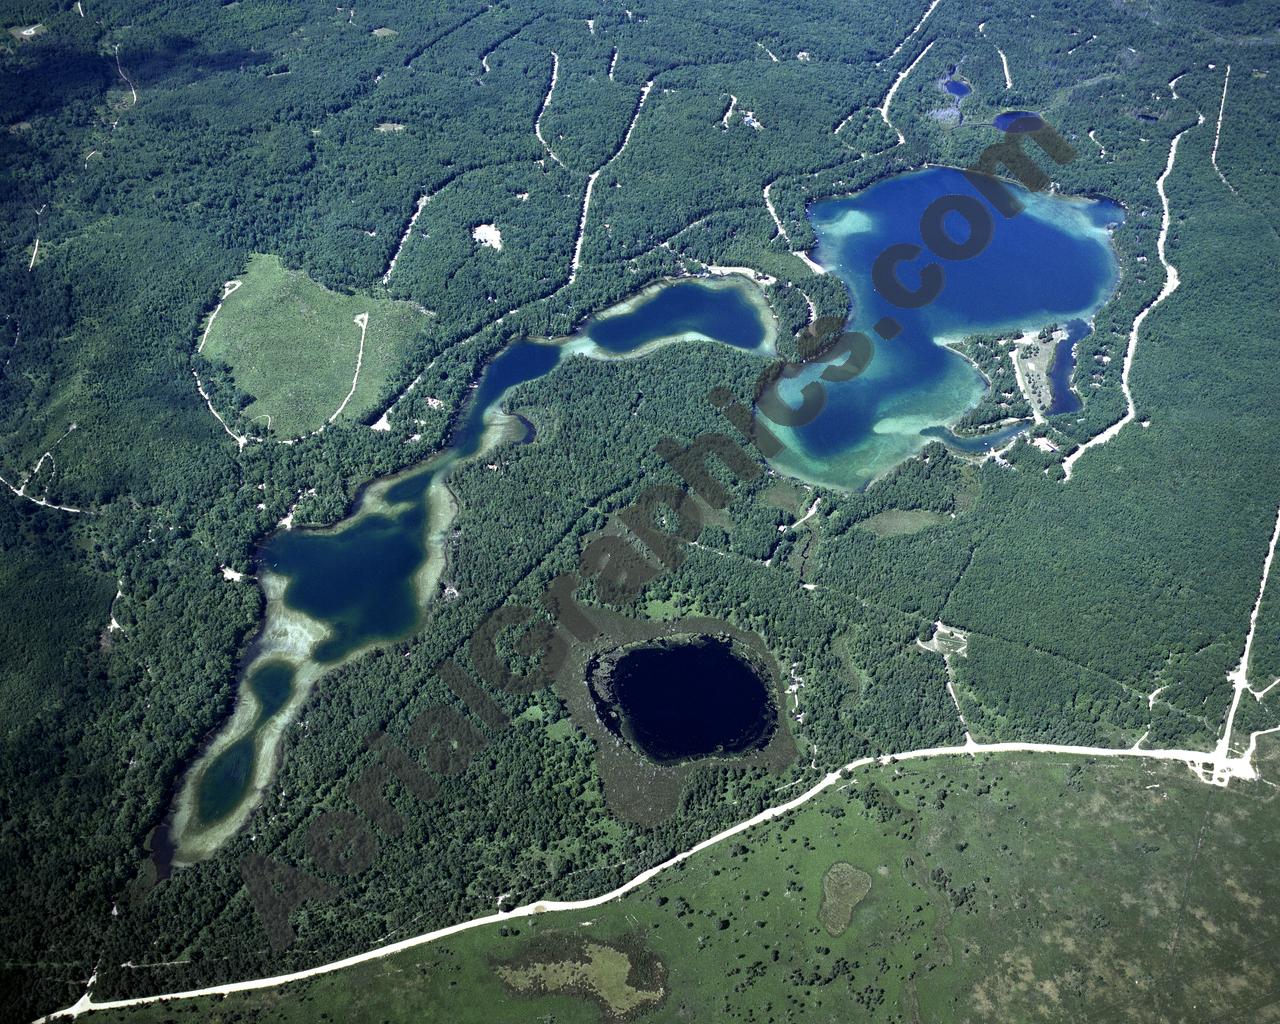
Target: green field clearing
{"type": "Point", "coordinates": [292, 345]}
{"type": "Point", "coordinates": [901, 522]}
{"type": "Point", "coordinates": [1011, 888]}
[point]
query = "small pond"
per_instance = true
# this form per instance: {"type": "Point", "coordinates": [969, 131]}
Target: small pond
{"type": "Point", "coordinates": [681, 700]}
{"type": "Point", "coordinates": [1018, 121]}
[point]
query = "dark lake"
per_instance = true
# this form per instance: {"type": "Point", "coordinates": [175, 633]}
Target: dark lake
{"type": "Point", "coordinates": [957, 87]}
{"type": "Point", "coordinates": [724, 314]}
{"type": "Point", "coordinates": [1008, 121]}
{"type": "Point", "coordinates": [681, 701]}
{"type": "Point", "coordinates": [1061, 369]}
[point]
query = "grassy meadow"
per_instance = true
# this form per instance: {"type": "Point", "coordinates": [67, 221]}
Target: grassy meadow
{"type": "Point", "coordinates": [292, 345]}
{"type": "Point", "coordinates": [1028, 888]}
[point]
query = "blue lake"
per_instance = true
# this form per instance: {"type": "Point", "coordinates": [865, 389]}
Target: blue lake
{"type": "Point", "coordinates": [1062, 368]}
{"type": "Point", "coordinates": [682, 308]}
{"type": "Point", "coordinates": [1008, 121]}
{"type": "Point", "coordinates": [228, 775]}
{"type": "Point", "coordinates": [360, 580]}
{"type": "Point", "coordinates": [1052, 262]}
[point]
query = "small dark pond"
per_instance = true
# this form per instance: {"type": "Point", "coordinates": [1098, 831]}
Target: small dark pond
{"type": "Point", "coordinates": [679, 701]}
{"type": "Point", "coordinates": [1018, 121]}
{"type": "Point", "coordinates": [1062, 368]}
{"type": "Point", "coordinates": [957, 87]}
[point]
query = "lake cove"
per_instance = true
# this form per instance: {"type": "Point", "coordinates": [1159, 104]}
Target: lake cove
{"type": "Point", "coordinates": [683, 699]}
{"type": "Point", "coordinates": [337, 591]}
{"type": "Point", "coordinates": [1063, 367]}
{"type": "Point", "coordinates": [1052, 262]}
{"type": "Point", "coordinates": [686, 310]}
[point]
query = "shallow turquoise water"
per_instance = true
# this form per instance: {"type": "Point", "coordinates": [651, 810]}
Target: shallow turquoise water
{"type": "Point", "coordinates": [1051, 263]}
{"type": "Point", "coordinates": [227, 777]}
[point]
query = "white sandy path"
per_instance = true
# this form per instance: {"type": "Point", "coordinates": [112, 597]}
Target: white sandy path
{"type": "Point", "coordinates": [1239, 677]}
{"type": "Point", "coordinates": [733, 105]}
{"type": "Point", "coordinates": [361, 321]}
{"type": "Point", "coordinates": [772, 56]}
{"type": "Point", "coordinates": [42, 502]}
{"type": "Point", "coordinates": [1217, 135]}
{"type": "Point", "coordinates": [35, 470]}
{"type": "Point", "coordinates": [408, 231]}
{"type": "Point", "coordinates": [32, 265]}
{"type": "Point", "coordinates": [591, 182]}
{"type": "Point", "coordinates": [968, 736]}
{"type": "Point", "coordinates": [768, 202]}
{"type": "Point", "coordinates": [613, 63]}
{"type": "Point", "coordinates": [934, 647]}
{"type": "Point", "coordinates": [1217, 767]}
{"type": "Point", "coordinates": [126, 78]}
{"type": "Point", "coordinates": [228, 288]}
{"type": "Point", "coordinates": [813, 511]}
{"type": "Point", "coordinates": [582, 227]}
{"type": "Point", "coordinates": [813, 309]}
{"type": "Point", "coordinates": [1102, 150]}
{"type": "Point", "coordinates": [21, 489]}
{"type": "Point", "coordinates": [1004, 63]}
{"type": "Point", "coordinates": [546, 102]}
{"type": "Point", "coordinates": [897, 83]}
{"type": "Point", "coordinates": [758, 276]}
{"type": "Point", "coordinates": [1084, 42]}
{"type": "Point", "coordinates": [1170, 286]}
{"type": "Point", "coordinates": [907, 38]}
{"type": "Point", "coordinates": [809, 261]}
{"type": "Point", "coordinates": [1173, 84]}
{"type": "Point", "coordinates": [239, 439]}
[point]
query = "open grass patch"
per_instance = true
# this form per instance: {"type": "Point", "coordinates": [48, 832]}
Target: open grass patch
{"type": "Point", "coordinates": [293, 346]}
{"type": "Point", "coordinates": [898, 522]}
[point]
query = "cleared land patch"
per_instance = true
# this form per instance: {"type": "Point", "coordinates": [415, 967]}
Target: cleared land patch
{"type": "Point", "coordinates": [293, 345]}
{"type": "Point", "coordinates": [898, 522]}
{"type": "Point", "coordinates": [599, 972]}
{"type": "Point", "coordinates": [843, 888]}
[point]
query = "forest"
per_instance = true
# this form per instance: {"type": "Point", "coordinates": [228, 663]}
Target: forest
{"type": "Point", "coordinates": [152, 151]}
